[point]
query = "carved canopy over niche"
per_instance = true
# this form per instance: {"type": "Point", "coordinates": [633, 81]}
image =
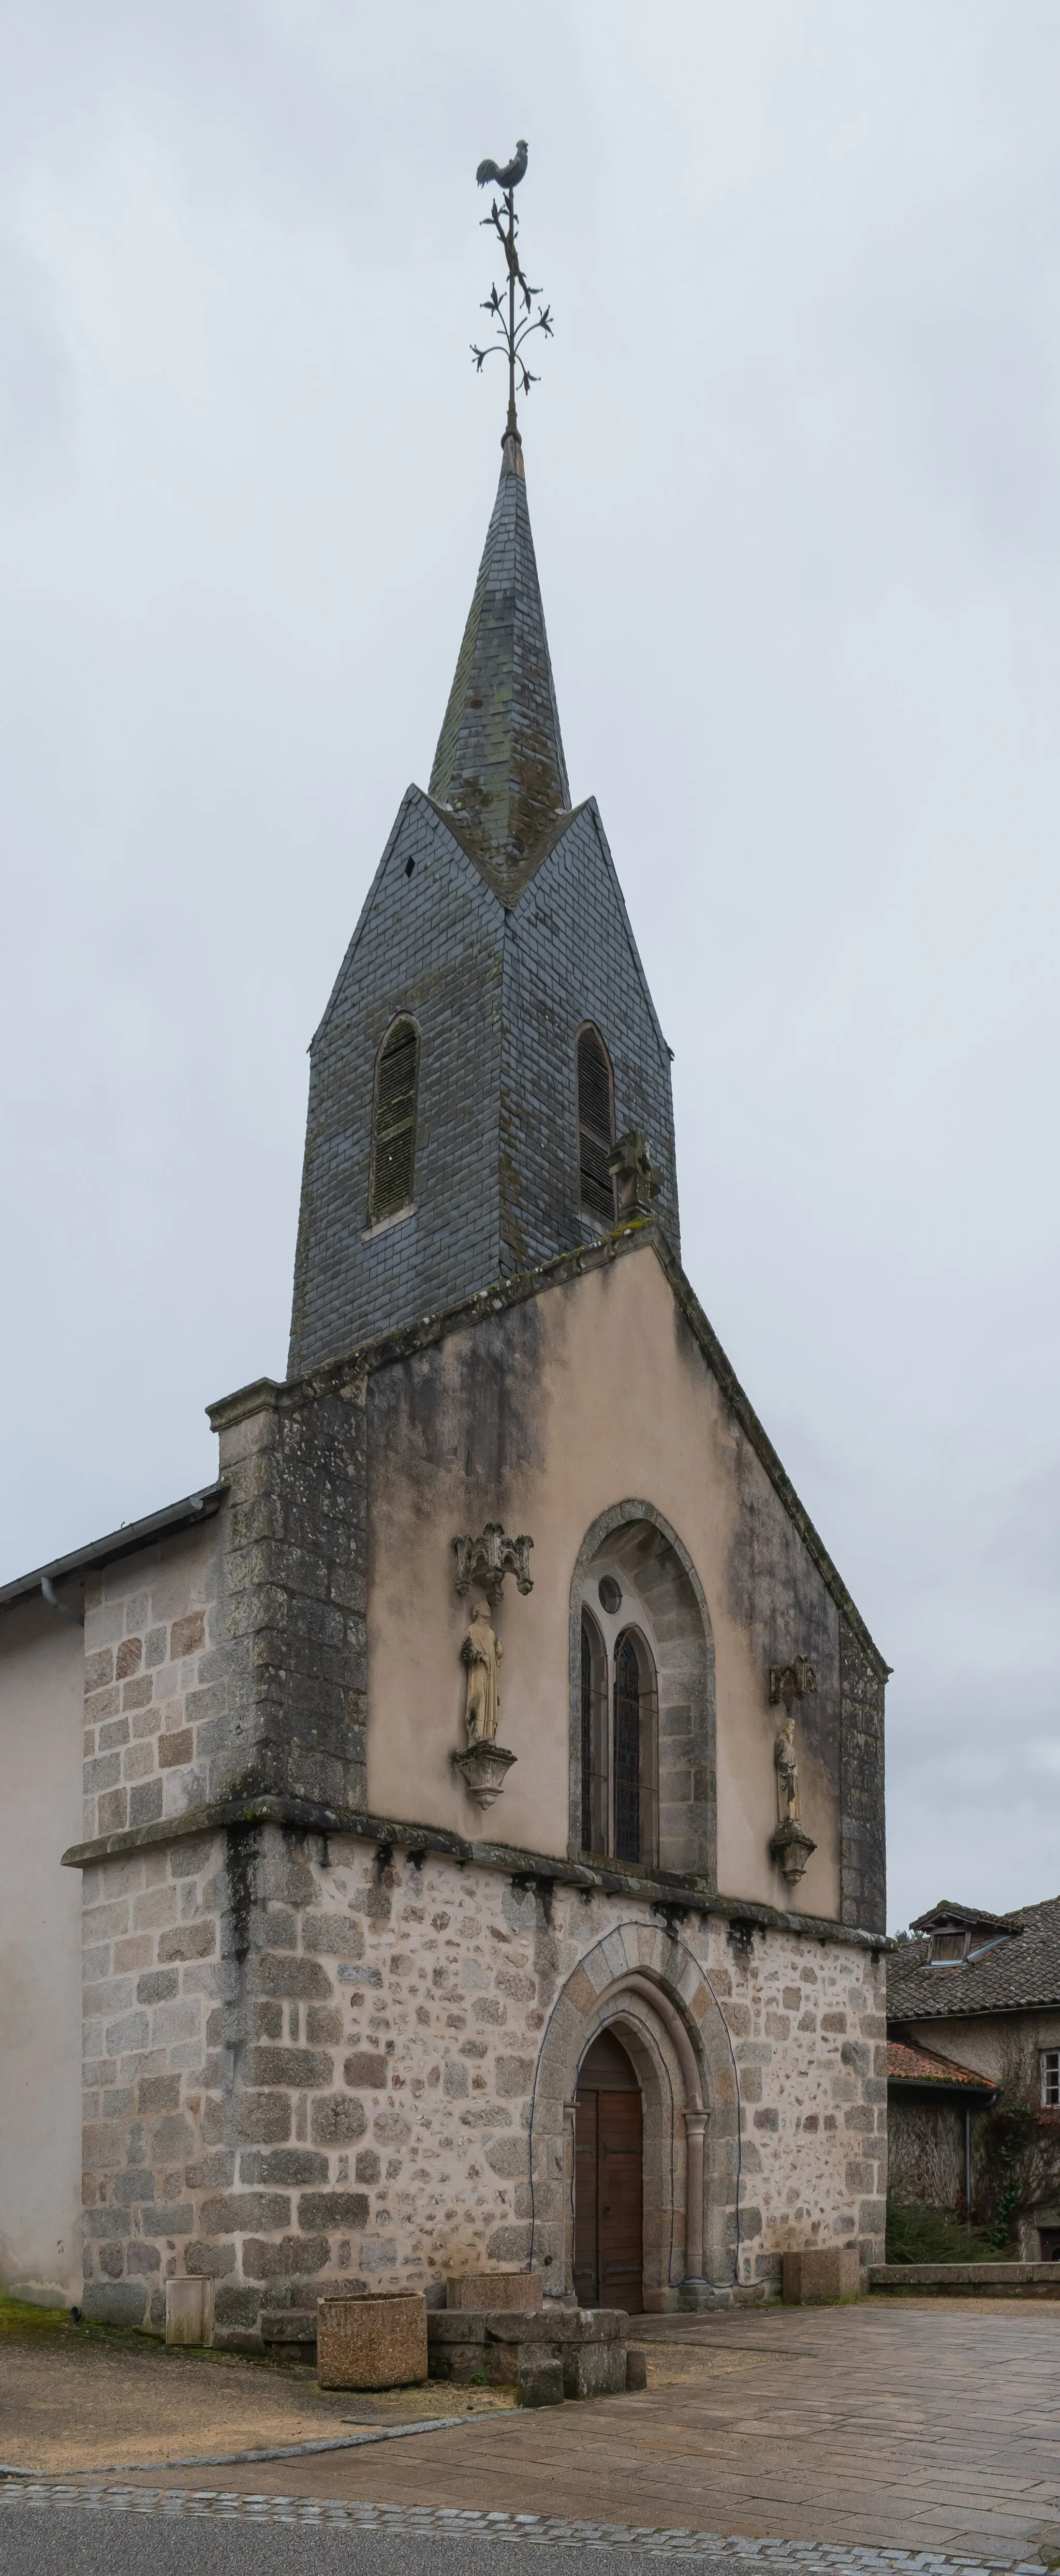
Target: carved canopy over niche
{"type": "Point", "coordinates": [485, 1561]}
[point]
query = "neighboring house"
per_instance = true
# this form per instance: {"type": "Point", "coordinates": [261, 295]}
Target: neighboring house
{"type": "Point", "coordinates": [930, 2102]}
{"type": "Point", "coordinates": [976, 1997]}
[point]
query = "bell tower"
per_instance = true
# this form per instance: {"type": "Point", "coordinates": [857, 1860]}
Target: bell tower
{"type": "Point", "coordinates": [491, 1033]}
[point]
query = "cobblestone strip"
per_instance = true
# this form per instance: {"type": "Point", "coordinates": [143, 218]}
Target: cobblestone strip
{"type": "Point", "coordinates": [818, 2558]}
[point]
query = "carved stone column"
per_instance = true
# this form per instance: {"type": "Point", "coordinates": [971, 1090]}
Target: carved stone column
{"type": "Point", "coordinates": [695, 2135]}
{"type": "Point", "coordinates": [569, 2117]}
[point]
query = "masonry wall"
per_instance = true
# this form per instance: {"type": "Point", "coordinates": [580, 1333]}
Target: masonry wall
{"type": "Point", "coordinates": [1002, 2046]}
{"type": "Point", "coordinates": [309, 2062]}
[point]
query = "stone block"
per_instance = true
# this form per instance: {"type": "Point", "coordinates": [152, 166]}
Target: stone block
{"type": "Point", "coordinates": [190, 2311]}
{"type": "Point", "coordinates": [818, 2276]}
{"type": "Point", "coordinates": [372, 2341]}
{"type": "Point", "coordinates": [541, 2384]}
{"type": "Point", "coordinates": [636, 2368]}
{"type": "Point", "coordinates": [594, 2369]}
{"type": "Point", "coordinates": [494, 2290]}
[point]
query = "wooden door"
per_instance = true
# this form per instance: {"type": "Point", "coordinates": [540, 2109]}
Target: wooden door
{"type": "Point", "coordinates": [608, 2182]}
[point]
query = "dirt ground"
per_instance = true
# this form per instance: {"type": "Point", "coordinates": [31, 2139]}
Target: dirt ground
{"type": "Point", "coordinates": [85, 2397]}
{"type": "Point", "coordinates": [909, 2424]}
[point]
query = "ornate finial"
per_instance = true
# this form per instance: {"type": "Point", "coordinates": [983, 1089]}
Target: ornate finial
{"type": "Point", "coordinates": [513, 328]}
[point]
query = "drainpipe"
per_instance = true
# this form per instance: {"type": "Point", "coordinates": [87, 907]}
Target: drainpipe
{"type": "Point", "coordinates": [968, 2161]}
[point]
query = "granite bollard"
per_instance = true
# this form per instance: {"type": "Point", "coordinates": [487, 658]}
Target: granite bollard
{"type": "Point", "coordinates": [372, 2340]}
{"type": "Point", "coordinates": [818, 2276]}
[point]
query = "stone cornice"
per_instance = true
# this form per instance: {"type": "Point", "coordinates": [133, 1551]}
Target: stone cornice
{"type": "Point", "coordinates": [672, 1895]}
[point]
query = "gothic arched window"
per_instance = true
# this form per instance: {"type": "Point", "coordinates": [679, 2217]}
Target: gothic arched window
{"type": "Point", "coordinates": [627, 1751]}
{"type": "Point", "coordinates": [635, 1753]}
{"type": "Point", "coordinates": [596, 1125]}
{"type": "Point", "coordinates": [593, 1739]}
{"type": "Point", "coordinates": [394, 1122]}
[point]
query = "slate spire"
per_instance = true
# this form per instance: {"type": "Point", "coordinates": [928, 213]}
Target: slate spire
{"type": "Point", "coordinates": [499, 768]}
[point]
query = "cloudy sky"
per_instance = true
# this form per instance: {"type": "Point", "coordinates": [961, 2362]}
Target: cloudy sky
{"type": "Point", "coordinates": [793, 471]}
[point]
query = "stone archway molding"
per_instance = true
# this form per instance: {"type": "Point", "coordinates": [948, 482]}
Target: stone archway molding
{"type": "Point", "coordinates": [677, 2013]}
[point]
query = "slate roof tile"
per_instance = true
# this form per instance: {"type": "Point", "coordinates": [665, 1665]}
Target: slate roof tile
{"type": "Point", "coordinates": [1011, 1975]}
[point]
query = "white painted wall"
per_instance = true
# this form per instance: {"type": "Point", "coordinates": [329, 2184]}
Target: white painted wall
{"type": "Point", "coordinates": [41, 1716]}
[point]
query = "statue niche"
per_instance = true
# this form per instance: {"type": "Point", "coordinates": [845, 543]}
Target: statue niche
{"type": "Point", "coordinates": [484, 1764]}
{"type": "Point", "coordinates": [789, 1845]}
{"type": "Point", "coordinates": [481, 1652]}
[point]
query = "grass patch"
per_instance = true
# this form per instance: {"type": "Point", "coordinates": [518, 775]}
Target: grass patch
{"type": "Point", "coordinates": [21, 2317]}
{"type": "Point", "coordinates": [916, 2235]}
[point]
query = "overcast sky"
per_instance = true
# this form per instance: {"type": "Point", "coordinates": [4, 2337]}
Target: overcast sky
{"type": "Point", "coordinates": [793, 473]}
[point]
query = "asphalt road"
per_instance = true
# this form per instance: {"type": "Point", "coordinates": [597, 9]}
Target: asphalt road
{"type": "Point", "coordinates": [80, 2542]}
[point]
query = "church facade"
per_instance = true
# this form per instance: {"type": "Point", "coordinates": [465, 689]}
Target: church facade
{"type": "Point", "coordinates": [481, 1855]}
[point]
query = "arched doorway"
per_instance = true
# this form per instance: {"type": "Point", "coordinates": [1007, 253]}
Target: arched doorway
{"type": "Point", "coordinates": [608, 2180]}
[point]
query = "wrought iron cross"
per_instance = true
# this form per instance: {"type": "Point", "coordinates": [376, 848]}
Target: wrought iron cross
{"type": "Point", "coordinates": [511, 305]}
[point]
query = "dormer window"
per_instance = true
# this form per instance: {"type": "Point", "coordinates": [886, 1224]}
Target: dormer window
{"type": "Point", "coordinates": [596, 1126]}
{"type": "Point", "coordinates": [957, 1936]}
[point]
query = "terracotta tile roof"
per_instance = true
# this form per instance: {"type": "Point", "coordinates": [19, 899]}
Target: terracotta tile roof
{"type": "Point", "coordinates": [923, 2066]}
{"type": "Point", "coordinates": [1009, 1977]}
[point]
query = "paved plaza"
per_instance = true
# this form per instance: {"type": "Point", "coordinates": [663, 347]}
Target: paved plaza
{"type": "Point", "coordinates": [925, 2428]}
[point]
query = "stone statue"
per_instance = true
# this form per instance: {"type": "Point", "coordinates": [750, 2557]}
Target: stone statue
{"type": "Point", "coordinates": [787, 1774]}
{"type": "Point", "coordinates": [481, 1651]}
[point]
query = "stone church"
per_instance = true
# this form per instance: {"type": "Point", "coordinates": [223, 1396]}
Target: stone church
{"type": "Point", "coordinates": [481, 1858]}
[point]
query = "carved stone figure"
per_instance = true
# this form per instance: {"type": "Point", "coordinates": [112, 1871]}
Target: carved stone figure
{"type": "Point", "coordinates": [787, 1775]}
{"type": "Point", "coordinates": [636, 1178]}
{"type": "Point", "coordinates": [481, 1651]}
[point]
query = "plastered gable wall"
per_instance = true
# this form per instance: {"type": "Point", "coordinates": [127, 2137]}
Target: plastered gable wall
{"type": "Point", "coordinates": [41, 1660]}
{"type": "Point", "coordinates": [544, 1416]}
{"type": "Point", "coordinates": [569, 958]}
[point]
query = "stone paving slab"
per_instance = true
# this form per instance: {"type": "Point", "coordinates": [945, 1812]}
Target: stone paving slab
{"type": "Point", "coordinates": [925, 2427]}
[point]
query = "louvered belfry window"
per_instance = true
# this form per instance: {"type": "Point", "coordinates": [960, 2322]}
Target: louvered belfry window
{"type": "Point", "coordinates": [627, 1752]}
{"type": "Point", "coordinates": [596, 1125]}
{"type": "Point", "coordinates": [394, 1123]}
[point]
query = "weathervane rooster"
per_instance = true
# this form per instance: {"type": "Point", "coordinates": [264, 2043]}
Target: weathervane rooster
{"type": "Point", "coordinates": [514, 326]}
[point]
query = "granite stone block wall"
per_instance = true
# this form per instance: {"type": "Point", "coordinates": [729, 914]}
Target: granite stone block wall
{"type": "Point", "coordinates": [231, 1660]}
{"type": "Point", "coordinates": [157, 1674]}
{"type": "Point", "coordinates": [310, 2062]}
{"type": "Point", "coordinates": [863, 1843]}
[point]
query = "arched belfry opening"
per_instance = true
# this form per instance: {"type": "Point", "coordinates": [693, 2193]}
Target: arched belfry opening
{"type": "Point", "coordinates": [642, 1699]}
{"type": "Point", "coordinates": [608, 2180]}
